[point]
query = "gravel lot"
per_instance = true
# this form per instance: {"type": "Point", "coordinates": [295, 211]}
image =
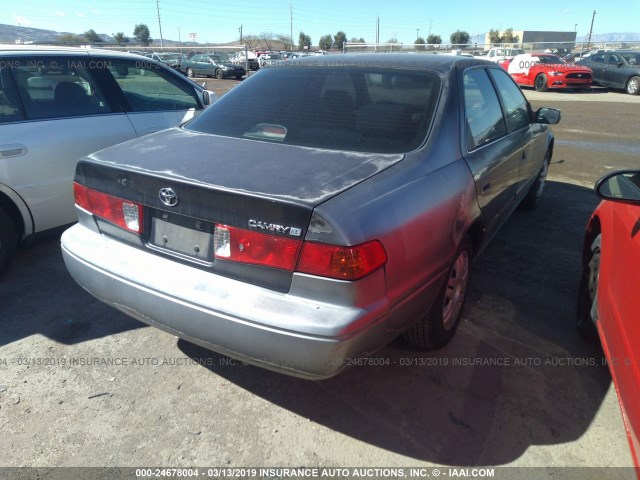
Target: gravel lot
{"type": "Point", "coordinates": [84, 385]}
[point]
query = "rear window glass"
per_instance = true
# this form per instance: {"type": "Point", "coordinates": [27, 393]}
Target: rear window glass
{"type": "Point", "coordinates": [345, 108]}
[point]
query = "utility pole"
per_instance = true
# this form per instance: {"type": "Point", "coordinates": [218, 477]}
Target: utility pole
{"type": "Point", "coordinates": [180, 40]}
{"type": "Point", "coordinates": [591, 29]}
{"type": "Point", "coordinates": [240, 30]}
{"type": "Point", "coordinates": [378, 30]}
{"type": "Point", "coordinates": [417, 33]}
{"type": "Point", "coordinates": [159, 23]}
{"type": "Point", "coordinates": [430, 20]}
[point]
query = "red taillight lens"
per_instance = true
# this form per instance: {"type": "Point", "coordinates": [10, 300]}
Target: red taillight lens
{"type": "Point", "coordinates": [345, 263]}
{"type": "Point", "coordinates": [123, 213]}
{"type": "Point", "coordinates": [245, 246]}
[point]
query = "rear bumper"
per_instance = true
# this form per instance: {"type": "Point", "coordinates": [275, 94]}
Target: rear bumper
{"type": "Point", "coordinates": [311, 332]}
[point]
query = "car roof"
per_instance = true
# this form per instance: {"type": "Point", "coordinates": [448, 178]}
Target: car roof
{"type": "Point", "coordinates": [438, 63]}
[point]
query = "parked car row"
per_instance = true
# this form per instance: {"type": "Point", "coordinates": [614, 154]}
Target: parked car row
{"type": "Point", "coordinates": [616, 69]}
{"type": "Point", "coordinates": [59, 104]}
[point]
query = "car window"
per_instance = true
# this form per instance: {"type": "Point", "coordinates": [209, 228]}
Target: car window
{"type": "Point", "coordinates": [598, 58]}
{"type": "Point", "coordinates": [513, 100]}
{"type": "Point", "coordinates": [483, 113]}
{"type": "Point", "coordinates": [147, 87]}
{"type": "Point", "coordinates": [10, 103]}
{"type": "Point", "coordinates": [632, 58]}
{"type": "Point", "coordinates": [344, 108]}
{"type": "Point", "coordinates": [614, 59]}
{"type": "Point", "coordinates": [52, 87]}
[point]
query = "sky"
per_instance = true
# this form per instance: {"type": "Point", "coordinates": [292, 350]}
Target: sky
{"type": "Point", "coordinates": [219, 21]}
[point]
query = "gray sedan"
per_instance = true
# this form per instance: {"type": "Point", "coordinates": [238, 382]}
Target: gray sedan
{"type": "Point", "coordinates": [316, 211]}
{"type": "Point", "coordinates": [618, 69]}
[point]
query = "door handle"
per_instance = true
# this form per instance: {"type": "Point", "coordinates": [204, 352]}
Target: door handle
{"type": "Point", "coordinates": [13, 150]}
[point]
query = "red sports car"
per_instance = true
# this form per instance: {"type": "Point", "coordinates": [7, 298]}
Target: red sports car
{"type": "Point", "coordinates": [544, 71]}
{"type": "Point", "coordinates": [609, 297]}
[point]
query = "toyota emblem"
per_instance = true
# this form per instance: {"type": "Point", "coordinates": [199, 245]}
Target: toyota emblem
{"type": "Point", "coordinates": [168, 196]}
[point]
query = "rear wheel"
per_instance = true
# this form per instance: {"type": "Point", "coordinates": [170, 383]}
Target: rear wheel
{"type": "Point", "coordinates": [540, 83]}
{"type": "Point", "coordinates": [532, 199]}
{"type": "Point", "coordinates": [587, 311]}
{"type": "Point", "coordinates": [436, 327]}
{"type": "Point", "coordinates": [219, 73]}
{"type": "Point", "coordinates": [8, 240]}
{"type": "Point", "coordinates": [190, 73]}
{"type": "Point", "coordinates": [633, 86]}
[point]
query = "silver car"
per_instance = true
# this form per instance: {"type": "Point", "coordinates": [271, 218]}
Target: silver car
{"type": "Point", "coordinates": [316, 211]}
{"type": "Point", "coordinates": [59, 104]}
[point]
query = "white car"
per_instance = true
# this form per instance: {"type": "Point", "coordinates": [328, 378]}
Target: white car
{"type": "Point", "coordinates": [59, 104]}
{"type": "Point", "coordinates": [498, 54]}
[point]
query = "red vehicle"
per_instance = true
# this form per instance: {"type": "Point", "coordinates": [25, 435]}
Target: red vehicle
{"type": "Point", "coordinates": [544, 71]}
{"type": "Point", "coordinates": [608, 299]}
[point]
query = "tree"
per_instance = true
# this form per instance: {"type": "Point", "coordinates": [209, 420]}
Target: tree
{"type": "Point", "coordinates": [304, 41]}
{"type": "Point", "coordinates": [251, 41]}
{"type": "Point", "coordinates": [494, 36]}
{"type": "Point", "coordinates": [460, 37]}
{"type": "Point", "coordinates": [357, 40]}
{"type": "Point", "coordinates": [286, 40]}
{"type": "Point", "coordinates": [419, 43]}
{"type": "Point", "coordinates": [339, 39]}
{"type": "Point", "coordinates": [120, 38]}
{"type": "Point", "coordinates": [91, 36]}
{"type": "Point", "coordinates": [433, 39]}
{"type": "Point", "coordinates": [325, 42]}
{"type": "Point", "coordinates": [70, 38]}
{"type": "Point", "coordinates": [142, 34]}
{"type": "Point", "coordinates": [267, 38]}
{"type": "Point", "coordinates": [509, 37]}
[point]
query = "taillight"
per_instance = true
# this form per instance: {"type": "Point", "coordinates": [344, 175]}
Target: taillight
{"type": "Point", "coordinates": [245, 246]}
{"type": "Point", "coordinates": [345, 263]}
{"type": "Point", "coordinates": [123, 213]}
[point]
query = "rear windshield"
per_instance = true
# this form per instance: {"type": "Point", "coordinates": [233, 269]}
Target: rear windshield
{"type": "Point", "coordinates": [345, 108]}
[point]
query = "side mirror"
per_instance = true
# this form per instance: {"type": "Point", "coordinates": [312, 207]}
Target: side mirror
{"type": "Point", "coordinates": [621, 186]}
{"type": "Point", "coordinates": [208, 97]}
{"type": "Point", "coordinates": [549, 116]}
{"type": "Point", "coordinates": [620, 64]}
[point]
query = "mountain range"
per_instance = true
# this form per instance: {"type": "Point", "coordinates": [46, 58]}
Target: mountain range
{"type": "Point", "coordinates": [9, 34]}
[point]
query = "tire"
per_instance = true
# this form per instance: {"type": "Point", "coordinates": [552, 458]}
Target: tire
{"type": "Point", "coordinates": [533, 196]}
{"type": "Point", "coordinates": [436, 327]}
{"type": "Point", "coordinates": [587, 309]}
{"type": "Point", "coordinates": [540, 83]}
{"type": "Point", "coordinates": [633, 86]}
{"type": "Point", "coordinates": [219, 74]}
{"type": "Point", "coordinates": [190, 73]}
{"type": "Point", "coordinates": [8, 240]}
{"type": "Point", "coordinates": [238, 77]}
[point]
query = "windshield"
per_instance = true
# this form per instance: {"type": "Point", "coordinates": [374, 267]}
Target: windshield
{"type": "Point", "coordinates": [346, 108]}
{"type": "Point", "coordinates": [551, 60]}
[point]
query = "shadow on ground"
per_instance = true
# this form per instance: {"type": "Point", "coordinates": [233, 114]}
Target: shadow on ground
{"type": "Point", "coordinates": [517, 374]}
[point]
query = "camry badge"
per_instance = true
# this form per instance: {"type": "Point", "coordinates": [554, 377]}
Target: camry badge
{"type": "Point", "coordinates": [168, 196]}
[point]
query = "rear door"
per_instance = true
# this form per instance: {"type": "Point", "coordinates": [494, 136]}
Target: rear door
{"type": "Point", "coordinates": [60, 113]}
{"type": "Point", "coordinates": [616, 71]}
{"type": "Point", "coordinates": [154, 98]}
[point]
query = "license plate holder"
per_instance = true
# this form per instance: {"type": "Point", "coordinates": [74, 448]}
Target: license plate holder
{"type": "Point", "coordinates": [186, 236]}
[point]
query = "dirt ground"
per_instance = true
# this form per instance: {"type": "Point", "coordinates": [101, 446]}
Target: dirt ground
{"type": "Point", "coordinates": [84, 385]}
